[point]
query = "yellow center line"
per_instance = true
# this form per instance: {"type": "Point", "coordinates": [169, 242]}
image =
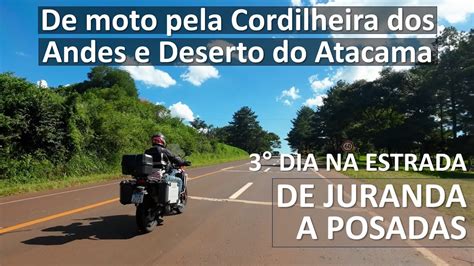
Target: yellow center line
{"type": "Point", "coordinates": [55, 216]}
{"type": "Point", "coordinates": [215, 172]}
{"type": "Point", "coordinates": [88, 207]}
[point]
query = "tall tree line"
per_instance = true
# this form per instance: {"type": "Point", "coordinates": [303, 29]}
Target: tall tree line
{"type": "Point", "coordinates": [243, 131]}
{"type": "Point", "coordinates": [428, 108]}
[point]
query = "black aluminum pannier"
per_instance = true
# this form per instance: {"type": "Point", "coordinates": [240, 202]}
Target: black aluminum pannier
{"type": "Point", "coordinates": [126, 191]}
{"type": "Point", "coordinates": [158, 190]}
{"type": "Point", "coordinates": [137, 164]}
{"type": "Point", "coordinates": [163, 192]}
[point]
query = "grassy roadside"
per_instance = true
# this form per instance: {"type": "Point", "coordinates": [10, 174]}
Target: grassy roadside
{"type": "Point", "coordinates": [223, 153]}
{"type": "Point", "coordinates": [464, 179]}
{"type": "Point", "coordinates": [8, 187]}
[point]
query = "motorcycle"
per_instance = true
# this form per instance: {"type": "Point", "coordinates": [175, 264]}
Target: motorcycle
{"type": "Point", "coordinates": [153, 196]}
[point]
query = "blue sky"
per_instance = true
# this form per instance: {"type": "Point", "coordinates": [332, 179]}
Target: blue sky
{"type": "Point", "coordinates": [213, 94]}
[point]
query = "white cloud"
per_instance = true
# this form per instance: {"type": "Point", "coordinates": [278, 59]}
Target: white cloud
{"type": "Point", "coordinates": [197, 75]}
{"type": "Point", "coordinates": [452, 11]}
{"type": "Point", "coordinates": [150, 75]}
{"type": "Point", "coordinates": [296, 2]}
{"type": "Point", "coordinates": [182, 111]}
{"type": "Point", "coordinates": [291, 93]}
{"type": "Point", "coordinates": [353, 73]}
{"type": "Point", "coordinates": [316, 101]}
{"type": "Point", "coordinates": [42, 83]}
{"type": "Point", "coordinates": [368, 73]}
{"type": "Point", "coordinates": [22, 54]}
{"type": "Point", "coordinates": [320, 85]}
{"type": "Point", "coordinates": [287, 97]}
{"type": "Point", "coordinates": [317, 84]}
{"type": "Point", "coordinates": [455, 12]}
{"type": "Point", "coordinates": [347, 73]}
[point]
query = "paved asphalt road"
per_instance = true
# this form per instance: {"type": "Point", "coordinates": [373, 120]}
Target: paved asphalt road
{"type": "Point", "coordinates": [88, 226]}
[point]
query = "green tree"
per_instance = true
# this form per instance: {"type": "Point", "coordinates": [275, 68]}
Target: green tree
{"type": "Point", "coordinates": [198, 123]}
{"type": "Point", "coordinates": [300, 136]}
{"type": "Point", "coordinates": [454, 85]}
{"type": "Point", "coordinates": [108, 77]}
{"type": "Point", "coordinates": [201, 126]}
{"type": "Point", "coordinates": [428, 108]}
{"type": "Point", "coordinates": [273, 139]}
{"type": "Point", "coordinates": [245, 132]}
{"type": "Point", "coordinates": [32, 120]}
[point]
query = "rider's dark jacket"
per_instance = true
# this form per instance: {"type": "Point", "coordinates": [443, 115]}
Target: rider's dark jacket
{"type": "Point", "coordinates": [163, 158]}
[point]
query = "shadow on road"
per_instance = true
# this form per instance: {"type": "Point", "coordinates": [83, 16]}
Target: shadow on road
{"type": "Point", "coordinates": [99, 228]}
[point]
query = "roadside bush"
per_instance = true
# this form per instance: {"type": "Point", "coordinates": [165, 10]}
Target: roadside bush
{"type": "Point", "coordinates": [85, 128]}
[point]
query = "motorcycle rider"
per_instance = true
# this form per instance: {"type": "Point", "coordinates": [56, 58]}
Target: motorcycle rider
{"type": "Point", "coordinates": [163, 158]}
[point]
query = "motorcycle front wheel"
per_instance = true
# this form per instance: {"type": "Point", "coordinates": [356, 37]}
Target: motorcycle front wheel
{"type": "Point", "coordinates": [146, 220]}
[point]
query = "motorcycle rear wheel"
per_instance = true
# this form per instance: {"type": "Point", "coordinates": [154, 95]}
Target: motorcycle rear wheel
{"type": "Point", "coordinates": [180, 208]}
{"type": "Point", "coordinates": [146, 220]}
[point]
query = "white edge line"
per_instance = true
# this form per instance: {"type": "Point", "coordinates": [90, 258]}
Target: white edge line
{"type": "Point", "coordinates": [267, 203]}
{"type": "Point", "coordinates": [323, 177]}
{"type": "Point", "coordinates": [240, 191]}
{"type": "Point", "coordinates": [424, 251]}
{"type": "Point", "coordinates": [232, 200]}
